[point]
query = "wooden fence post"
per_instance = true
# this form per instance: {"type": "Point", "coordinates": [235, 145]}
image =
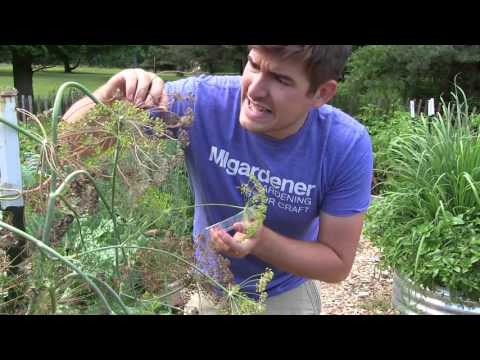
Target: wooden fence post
{"type": "Point", "coordinates": [23, 105]}
{"type": "Point", "coordinates": [30, 104]}
{"type": "Point", "coordinates": [419, 109]}
{"type": "Point", "coordinates": [10, 170]}
{"type": "Point", "coordinates": [11, 199]}
{"type": "Point", "coordinates": [412, 109]}
{"type": "Point", "coordinates": [431, 107]}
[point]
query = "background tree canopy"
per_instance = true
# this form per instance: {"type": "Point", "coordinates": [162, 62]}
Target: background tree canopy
{"type": "Point", "coordinates": [26, 59]}
{"type": "Point", "coordinates": [385, 75]}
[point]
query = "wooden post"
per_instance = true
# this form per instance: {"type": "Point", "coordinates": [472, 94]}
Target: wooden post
{"type": "Point", "coordinates": [419, 109]}
{"type": "Point", "coordinates": [30, 104]}
{"type": "Point", "coordinates": [412, 109]}
{"type": "Point", "coordinates": [439, 107]}
{"type": "Point", "coordinates": [10, 170]}
{"type": "Point", "coordinates": [431, 107]}
{"type": "Point", "coordinates": [11, 181]}
{"type": "Point", "coordinates": [23, 106]}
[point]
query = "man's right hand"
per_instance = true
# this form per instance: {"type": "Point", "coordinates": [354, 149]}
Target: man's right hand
{"type": "Point", "coordinates": [144, 89]}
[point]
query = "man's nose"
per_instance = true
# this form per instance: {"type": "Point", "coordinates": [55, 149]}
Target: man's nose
{"type": "Point", "coordinates": [258, 87]}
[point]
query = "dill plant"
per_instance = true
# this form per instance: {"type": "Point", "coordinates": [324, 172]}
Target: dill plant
{"type": "Point", "coordinates": [115, 148]}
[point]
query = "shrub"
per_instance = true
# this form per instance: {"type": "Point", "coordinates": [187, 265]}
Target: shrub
{"type": "Point", "coordinates": [383, 129]}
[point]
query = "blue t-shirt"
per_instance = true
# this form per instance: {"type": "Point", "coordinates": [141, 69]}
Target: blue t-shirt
{"type": "Point", "coordinates": [325, 167]}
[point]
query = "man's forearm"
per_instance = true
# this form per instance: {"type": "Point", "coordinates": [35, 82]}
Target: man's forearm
{"type": "Point", "coordinates": [78, 110]}
{"type": "Point", "coordinates": [313, 260]}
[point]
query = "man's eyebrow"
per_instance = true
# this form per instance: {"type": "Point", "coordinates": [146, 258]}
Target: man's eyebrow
{"type": "Point", "coordinates": [276, 74]}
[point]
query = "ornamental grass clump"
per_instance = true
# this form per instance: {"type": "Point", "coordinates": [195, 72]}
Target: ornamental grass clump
{"type": "Point", "coordinates": [427, 223]}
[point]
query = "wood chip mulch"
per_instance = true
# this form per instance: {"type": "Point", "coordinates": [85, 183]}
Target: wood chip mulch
{"type": "Point", "coordinates": [366, 291]}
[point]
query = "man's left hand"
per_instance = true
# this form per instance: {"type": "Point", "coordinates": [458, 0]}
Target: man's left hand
{"type": "Point", "coordinates": [234, 246]}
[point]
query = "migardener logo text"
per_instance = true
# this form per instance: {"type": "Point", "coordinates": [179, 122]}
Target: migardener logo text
{"type": "Point", "coordinates": [285, 193]}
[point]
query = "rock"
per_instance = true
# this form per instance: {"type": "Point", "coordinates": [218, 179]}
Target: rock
{"type": "Point", "coordinates": [363, 294]}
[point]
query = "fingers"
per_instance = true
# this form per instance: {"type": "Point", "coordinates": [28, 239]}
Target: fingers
{"type": "Point", "coordinates": [239, 227]}
{"type": "Point", "coordinates": [235, 243]}
{"type": "Point", "coordinates": [231, 246]}
{"type": "Point", "coordinates": [144, 81]}
{"type": "Point", "coordinates": [157, 96]}
{"type": "Point", "coordinates": [217, 241]}
{"type": "Point", "coordinates": [139, 87]}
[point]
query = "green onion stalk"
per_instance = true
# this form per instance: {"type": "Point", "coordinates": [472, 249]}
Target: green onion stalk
{"type": "Point", "coordinates": [53, 192]}
{"type": "Point", "coordinates": [47, 249]}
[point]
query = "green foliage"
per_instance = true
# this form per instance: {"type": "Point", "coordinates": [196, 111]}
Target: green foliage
{"type": "Point", "coordinates": [126, 250]}
{"type": "Point", "coordinates": [237, 303]}
{"type": "Point", "coordinates": [427, 223]}
{"type": "Point", "coordinates": [383, 129]}
{"type": "Point", "coordinates": [382, 75]}
{"type": "Point", "coordinates": [256, 205]}
{"type": "Point", "coordinates": [121, 56]}
{"type": "Point", "coordinates": [211, 58]}
{"type": "Point", "coordinates": [369, 81]}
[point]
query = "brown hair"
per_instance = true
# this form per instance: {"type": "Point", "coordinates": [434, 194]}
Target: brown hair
{"type": "Point", "coordinates": [321, 62]}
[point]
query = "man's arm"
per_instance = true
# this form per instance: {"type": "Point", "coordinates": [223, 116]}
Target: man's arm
{"type": "Point", "coordinates": [330, 259]}
{"type": "Point", "coordinates": [78, 110]}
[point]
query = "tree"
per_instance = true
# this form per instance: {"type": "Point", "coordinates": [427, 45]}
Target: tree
{"type": "Point", "coordinates": [212, 58]}
{"type": "Point", "coordinates": [237, 54]}
{"type": "Point", "coordinates": [68, 54]}
{"type": "Point", "coordinates": [22, 58]}
{"type": "Point", "coordinates": [382, 74]}
{"type": "Point", "coordinates": [116, 55]}
{"type": "Point", "coordinates": [25, 57]}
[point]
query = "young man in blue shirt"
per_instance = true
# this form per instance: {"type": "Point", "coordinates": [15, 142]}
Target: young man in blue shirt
{"type": "Point", "coordinates": [273, 122]}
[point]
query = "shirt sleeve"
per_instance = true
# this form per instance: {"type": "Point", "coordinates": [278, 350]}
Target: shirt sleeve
{"type": "Point", "coordinates": [181, 95]}
{"type": "Point", "coordinates": [349, 192]}
{"type": "Point", "coordinates": [181, 103]}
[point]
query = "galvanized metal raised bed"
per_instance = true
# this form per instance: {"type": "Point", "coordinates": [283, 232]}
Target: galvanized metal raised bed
{"type": "Point", "coordinates": [410, 299]}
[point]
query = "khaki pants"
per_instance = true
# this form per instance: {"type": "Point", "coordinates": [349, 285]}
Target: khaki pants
{"type": "Point", "coordinates": [302, 300]}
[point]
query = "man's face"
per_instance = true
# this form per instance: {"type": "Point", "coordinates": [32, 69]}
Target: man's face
{"type": "Point", "coordinates": [275, 99]}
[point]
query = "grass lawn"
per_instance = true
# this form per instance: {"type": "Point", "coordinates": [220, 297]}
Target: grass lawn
{"type": "Point", "coordinates": [47, 82]}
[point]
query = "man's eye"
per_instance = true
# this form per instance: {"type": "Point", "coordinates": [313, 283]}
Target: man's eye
{"type": "Point", "coordinates": [282, 80]}
{"type": "Point", "coordinates": [254, 66]}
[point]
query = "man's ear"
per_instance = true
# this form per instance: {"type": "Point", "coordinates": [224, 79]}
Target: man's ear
{"type": "Point", "coordinates": [325, 93]}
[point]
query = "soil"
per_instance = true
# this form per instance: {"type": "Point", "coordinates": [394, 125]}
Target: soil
{"type": "Point", "coordinates": [366, 291]}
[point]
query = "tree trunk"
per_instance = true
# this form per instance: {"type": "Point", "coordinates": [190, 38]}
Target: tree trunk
{"type": "Point", "coordinates": [22, 72]}
{"type": "Point", "coordinates": [210, 67]}
{"type": "Point", "coordinates": [66, 65]}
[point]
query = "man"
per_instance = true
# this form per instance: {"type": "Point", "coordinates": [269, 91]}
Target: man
{"type": "Point", "coordinates": [314, 161]}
